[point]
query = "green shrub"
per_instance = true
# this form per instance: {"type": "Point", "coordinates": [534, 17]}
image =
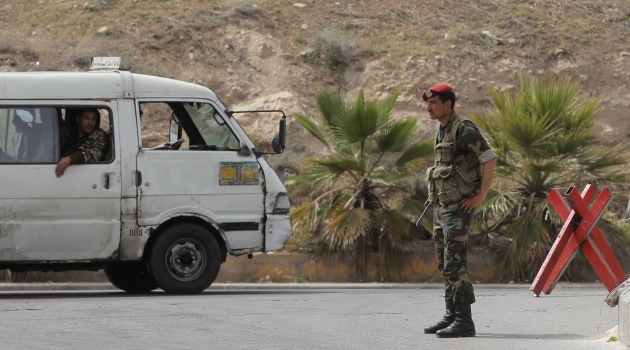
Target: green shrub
{"type": "Point", "coordinates": [335, 49]}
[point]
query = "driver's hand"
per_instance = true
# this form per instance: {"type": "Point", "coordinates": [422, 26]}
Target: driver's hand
{"type": "Point", "coordinates": [63, 164]}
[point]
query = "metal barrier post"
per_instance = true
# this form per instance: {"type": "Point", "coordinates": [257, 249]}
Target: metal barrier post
{"type": "Point", "coordinates": [579, 231]}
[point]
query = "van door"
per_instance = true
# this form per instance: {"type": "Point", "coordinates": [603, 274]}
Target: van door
{"type": "Point", "coordinates": [205, 176]}
{"type": "Point", "coordinates": [43, 217]}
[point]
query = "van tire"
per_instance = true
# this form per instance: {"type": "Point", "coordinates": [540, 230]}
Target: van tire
{"type": "Point", "coordinates": [185, 259]}
{"type": "Point", "coordinates": [132, 277]}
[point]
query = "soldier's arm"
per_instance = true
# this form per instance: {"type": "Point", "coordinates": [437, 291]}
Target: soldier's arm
{"type": "Point", "coordinates": [472, 139]}
{"type": "Point", "coordinates": [92, 149]}
{"type": "Point", "coordinates": [487, 177]}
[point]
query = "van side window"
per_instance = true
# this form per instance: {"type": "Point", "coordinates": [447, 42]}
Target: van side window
{"type": "Point", "coordinates": [199, 125]}
{"type": "Point", "coordinates": [86, 143]}
{"type": "Point", "coordinates": [38, 134]}
{"type": "Point", "coordinates": [213, 129]}
{"type": "Point", "coordinates": [28, 135]}
{"type": "Point", "coordinates": [155, 119]}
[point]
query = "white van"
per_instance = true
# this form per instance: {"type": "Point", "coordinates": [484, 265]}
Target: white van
{"type": "Point", "coordinates": [152, 212]}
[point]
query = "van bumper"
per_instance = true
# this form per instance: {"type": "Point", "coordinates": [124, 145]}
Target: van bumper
{"type": "Point", "coordinates": [277, 231]}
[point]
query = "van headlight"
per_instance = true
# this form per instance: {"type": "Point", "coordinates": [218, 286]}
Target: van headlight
{"type": "Point", "coordinates": [281, 206]}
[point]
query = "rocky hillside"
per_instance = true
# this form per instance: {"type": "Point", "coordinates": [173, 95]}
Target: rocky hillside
{"type": "Point", "coordinates": [279, 53]}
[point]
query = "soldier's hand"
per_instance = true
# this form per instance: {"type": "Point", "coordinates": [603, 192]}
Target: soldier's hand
{"type": "Point", "coordinates": [469, 203]}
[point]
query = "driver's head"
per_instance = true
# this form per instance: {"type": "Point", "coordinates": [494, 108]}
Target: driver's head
{"type": "Point", "coordinates": [87, 121]}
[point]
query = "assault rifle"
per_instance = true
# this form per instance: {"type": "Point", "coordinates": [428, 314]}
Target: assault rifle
{"type": "Point", "coordinates": [427, 205]}
{"type": "Point", "coordinates": [425, 235]}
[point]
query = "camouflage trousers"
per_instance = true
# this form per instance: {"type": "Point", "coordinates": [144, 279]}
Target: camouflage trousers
{"type": "Point", "coordinates": [450, 236]}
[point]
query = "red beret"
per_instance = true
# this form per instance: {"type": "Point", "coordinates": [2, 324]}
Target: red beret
{"type": "Point", "coordinates": [436, 90]}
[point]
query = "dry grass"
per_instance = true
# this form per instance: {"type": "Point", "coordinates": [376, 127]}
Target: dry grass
{"type": "Point", "coordinates": [379, 27]}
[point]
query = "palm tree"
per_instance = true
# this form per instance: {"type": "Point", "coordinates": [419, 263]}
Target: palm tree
{"type": "Point", "coordinates": [351, 188]}
{"type": "Point", "coordinates": [544, 137]}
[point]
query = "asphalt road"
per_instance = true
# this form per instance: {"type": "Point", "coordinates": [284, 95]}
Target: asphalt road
{"type": "Point", "coordinates": [236, 316]}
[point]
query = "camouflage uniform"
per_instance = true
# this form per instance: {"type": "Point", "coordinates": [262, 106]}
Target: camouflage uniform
{"type": "Point", "coordinates": [89, 149]}
{"type": "Point", "coordinates": [458, 176]}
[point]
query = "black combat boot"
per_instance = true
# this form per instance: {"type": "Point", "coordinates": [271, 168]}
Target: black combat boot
{"type": "Point", "coordinates": [463, 325]}
{"type": "Point", "coordinates": [448, 318]}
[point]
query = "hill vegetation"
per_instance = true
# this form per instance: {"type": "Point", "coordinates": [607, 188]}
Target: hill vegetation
{"type": "Point", "coordinates": [276, 53]}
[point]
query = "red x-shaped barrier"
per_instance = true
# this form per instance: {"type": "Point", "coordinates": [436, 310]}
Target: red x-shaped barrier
{"type": "Point", "coordinates": [579, 231]}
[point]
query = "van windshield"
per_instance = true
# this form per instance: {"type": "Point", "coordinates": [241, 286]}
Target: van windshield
{"type": "Point", "coordinates": [212, 126]}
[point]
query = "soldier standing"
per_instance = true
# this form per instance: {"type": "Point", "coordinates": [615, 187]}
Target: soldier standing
{"type": "Point", "coordinates": [458, 181]}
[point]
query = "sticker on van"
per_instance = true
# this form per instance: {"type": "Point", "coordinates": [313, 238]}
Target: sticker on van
{"type": "Point", "coordinates": [238, 173]}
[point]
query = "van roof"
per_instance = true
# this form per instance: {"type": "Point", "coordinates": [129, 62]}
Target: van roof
{"type": "Point", "coordinates": [95, 84]}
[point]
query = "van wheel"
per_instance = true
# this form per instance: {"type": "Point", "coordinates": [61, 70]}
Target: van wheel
{"type": "Point", "coordinates": [185, 259]}
{"type": "Point", "coordinates": [132, 277]}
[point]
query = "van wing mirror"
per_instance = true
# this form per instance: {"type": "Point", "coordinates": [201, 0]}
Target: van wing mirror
{"type": "Point", "coordinates": [278, 144]}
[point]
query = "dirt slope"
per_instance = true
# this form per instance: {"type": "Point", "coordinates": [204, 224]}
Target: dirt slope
{"type": "Point", "coordinates": [278, 53]}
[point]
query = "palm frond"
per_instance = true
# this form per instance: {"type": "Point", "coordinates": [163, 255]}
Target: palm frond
{"type": "Point", "coordinates": [598, 160]}
{"type": "Point", "coordinates": [384, 108]}
{"type": "Point", "coordinates": [311, 126]}
{"type": "Point", "coordinates": [321, 174]}
{"type": "Point", "coordinates": [414, 152]}
{"type": "Point", "coordinates": [303, 214]}
{"type": "Point", "coordinates": [573, 142]}
{"type": "Point", "coordinates": [329, 103]}
{"type": "Point", "coordinates": [397, 228]}
{"type": "Point", "coordinates": [530, 241]}
{"type": "Point", "coordinates": [394, 136]}
{"type": "Point", "coordinates": [344, 228]}
{"type": "Point", "coordinates": [389, 176]}
{"type": "Point", "coordinates": [581, 116]}
{"type": "Point", "coordinates": [532, 136]}
{"type": "Point", "coordinates": [338, 166]}
{"type": "Point", "coordinates": [356, 124]}
{"type": "Point", "coordinates": [544, 137]}
{"type": "Point", "coordinates": [495, 209]}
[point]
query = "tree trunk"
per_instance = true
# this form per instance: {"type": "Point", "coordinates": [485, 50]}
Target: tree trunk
{"type": "Point", "coordinates": [5, 276]}
{"type": "Point", "coordinates": [361, 258]}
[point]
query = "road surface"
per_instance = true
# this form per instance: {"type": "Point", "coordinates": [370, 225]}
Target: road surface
{"type": "Point", "coordinates": [302, 316]}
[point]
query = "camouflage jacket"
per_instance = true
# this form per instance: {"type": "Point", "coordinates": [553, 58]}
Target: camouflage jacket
{"type": "Point", "coordinates": [459, 153]}
{"type": "Point", "coordinates": [88, 149]}
{"type": "Point", "coordinates": [468, 139]}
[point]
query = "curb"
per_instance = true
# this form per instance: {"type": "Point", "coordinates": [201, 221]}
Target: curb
{"type": "Point", "coordinates": [77, 286]}
{"type": "Point", "coordinates": [30, 287]}
{"type": "Point", "coordinates": [624, 322]}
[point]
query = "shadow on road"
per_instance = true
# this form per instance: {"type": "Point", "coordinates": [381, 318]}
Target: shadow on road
{"type": "Point", "coordinates": [531, 336]}
{"type": "Point", "coordinates": [62, 294]}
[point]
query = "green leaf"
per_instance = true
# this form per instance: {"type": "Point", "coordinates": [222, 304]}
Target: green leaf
{"type": "Point", "coordinates": [544, 137]}
{"type": "Point", "coordinates": [414, 152]}
{"type": "Point", "coordinates": [312, 127]}
{"type": "Point", "coordinates": [338, 166]}
{"type": "Point", "coordinates": [394, 136]}
{"type": "Point", "coordinates": [345, 227]}
{"type": "Point", "coordinates": [329, 104]}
